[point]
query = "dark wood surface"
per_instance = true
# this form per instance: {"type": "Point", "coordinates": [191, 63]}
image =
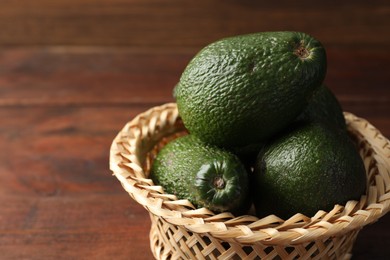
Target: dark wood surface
{"type": "Point", "coordinates": [72, 73]}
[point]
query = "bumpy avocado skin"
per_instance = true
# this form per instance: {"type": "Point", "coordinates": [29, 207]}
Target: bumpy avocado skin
{"type": "Point", "coordinates": [204, 174]}
{"type": "Point", "coordinates": [309, 168]}
{"type": "Point", "coordinates": [242, 90]}
{"type": "Point", "coordinates": [324, 107]}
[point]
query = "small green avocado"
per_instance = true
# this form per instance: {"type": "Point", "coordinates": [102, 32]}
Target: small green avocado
{"type": "Point", "coordinates": [204, 174]}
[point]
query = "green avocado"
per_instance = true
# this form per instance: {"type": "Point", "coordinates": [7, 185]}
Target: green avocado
{"type": "Point", "coordinates": [324, 107]}
{"type": "Point", "coordinates": [206, 175]}
{"type": "Point", "coordinates": [311, 167]}
{"type": "Point", "coordinates": [241, 90]}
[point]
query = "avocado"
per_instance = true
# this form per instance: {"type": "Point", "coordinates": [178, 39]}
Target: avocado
{"type": "Point", "coordinates": [206, 175]}
{"type": "Point", "coordinates": [241, 90]}
{"type": "Point", "coordinates": [324, 107]}
{"type": "Point", "coordinates": [311, 167]}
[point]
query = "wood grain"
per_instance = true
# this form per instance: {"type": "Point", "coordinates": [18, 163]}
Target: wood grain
{"type": "Point", "coordinates": [73, 227]}
{"type": "Point", "coordinates": [107, 76]}
{"type": "Point", "coordinates": [59, 199]}
{"type": "Point", "coordinates": [177, 23]}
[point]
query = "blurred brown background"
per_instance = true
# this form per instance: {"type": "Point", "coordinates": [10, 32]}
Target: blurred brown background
{"type": "Point", "coordinates": [72, 73]}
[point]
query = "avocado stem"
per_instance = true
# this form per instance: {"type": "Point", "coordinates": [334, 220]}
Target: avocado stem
{"type": "Point", "coordinates": [219, 182]}
{"type": "Point", "coordinates": [301, 51]}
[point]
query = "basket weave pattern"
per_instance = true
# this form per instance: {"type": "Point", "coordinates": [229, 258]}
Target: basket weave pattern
{"type": "Point", "coordinates": [180, 231]}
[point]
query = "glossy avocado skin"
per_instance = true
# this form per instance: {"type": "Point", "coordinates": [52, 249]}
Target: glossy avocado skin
{"type": "Point", "coordinates": [204, 174]}
{"type": "Point", "coordinates": [242, 90]}
{"type": "Point", "coordinates": [311, 167]}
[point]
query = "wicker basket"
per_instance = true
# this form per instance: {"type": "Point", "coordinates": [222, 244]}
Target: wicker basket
{"type": "Point", "coordinates": [179, 231]}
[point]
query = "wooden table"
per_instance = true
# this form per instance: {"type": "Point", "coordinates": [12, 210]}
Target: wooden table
{"type": "Point", "coordinates": [72, 73]}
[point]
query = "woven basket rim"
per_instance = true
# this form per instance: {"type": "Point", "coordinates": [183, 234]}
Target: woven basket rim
{"type": "Point", "coordinates": [129, 151]}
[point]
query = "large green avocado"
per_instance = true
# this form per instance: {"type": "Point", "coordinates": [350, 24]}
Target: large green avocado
{"type": "Point", "coordinates": [242, 90]}
{"type": "Point", "coordinates": [310, 167]}
{"type": "Point", "coordinates": [204, 174]}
